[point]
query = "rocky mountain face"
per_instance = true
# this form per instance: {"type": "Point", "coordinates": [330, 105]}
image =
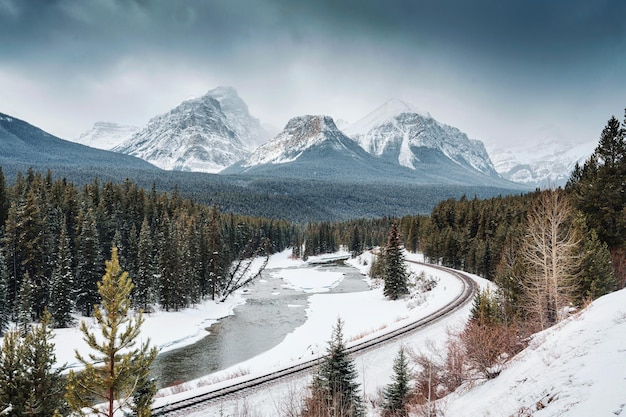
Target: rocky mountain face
{"type": "Point", "coordinates": [309, 146]}
{"type": "Point", "coordinates": [205, 134]}
{"type": "Point", "coordinates": [407, 137]}
{"type": "Point", "coordinates": [313, 147]}
{"type": "Point", "coordinates": [106, 135]}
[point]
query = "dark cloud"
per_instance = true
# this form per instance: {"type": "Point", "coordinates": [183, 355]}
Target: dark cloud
{"type": "Point", "coordinates": [467, 61]}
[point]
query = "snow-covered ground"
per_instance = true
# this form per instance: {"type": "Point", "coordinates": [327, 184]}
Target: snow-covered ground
{"type": "Point", "coordinates": [365, 314]}
{"type": "Point", "coordinates": [577, 368]}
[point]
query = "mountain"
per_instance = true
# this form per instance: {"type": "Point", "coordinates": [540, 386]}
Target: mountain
{"type": "Point", "coordinates": [106, 135]}
{"type": "Point", "coordinates": [548, 164]}
{"type": "Point", "coordinates": [410, 138]}
{"type": "Point", "coordinates": [247, 128]}
{"type": "Point", "coordinates": [204, 134]}
{"type": "Point", "coordinates": [312, 147]}
{"type": "Point", "coordinates": [23, 146]}
{"type": "Point", "coordinates": [309, 147]}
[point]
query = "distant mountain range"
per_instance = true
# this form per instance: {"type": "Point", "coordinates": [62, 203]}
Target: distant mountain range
{"type": "Point", "coordinates": [390, 144]}
{"type": "Point", "coordinates": [216, 134]}
{"type": "Point", "coordinates": [290, 192]}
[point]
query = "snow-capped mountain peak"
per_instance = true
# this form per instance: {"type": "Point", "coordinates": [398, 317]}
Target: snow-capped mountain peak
{"type": "Point", "coordinates": [396, 132]}
{"type": "Point", "coordinates": [204, 134]}
{"type": "Point", "coordinates": [300, 133]}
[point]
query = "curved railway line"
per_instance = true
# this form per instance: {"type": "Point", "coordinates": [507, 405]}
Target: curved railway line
{"type": "Point", "coordinates": [178, 407]}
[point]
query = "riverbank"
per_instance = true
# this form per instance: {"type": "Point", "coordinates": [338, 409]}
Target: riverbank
{"type": "Point", "coordinates": [173, 330]}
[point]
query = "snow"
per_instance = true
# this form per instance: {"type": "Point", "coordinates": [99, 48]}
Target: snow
{"type": "Point", "coordinates": [166, 330]}
{"type": "Point", "coordinates": [577, 368]}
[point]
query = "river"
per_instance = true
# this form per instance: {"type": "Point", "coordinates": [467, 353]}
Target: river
{"type": "Point", "coordinates": [270, 313]}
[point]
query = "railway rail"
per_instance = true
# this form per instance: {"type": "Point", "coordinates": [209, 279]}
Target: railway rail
{"type": "Point", "coordinates": [178, 407]}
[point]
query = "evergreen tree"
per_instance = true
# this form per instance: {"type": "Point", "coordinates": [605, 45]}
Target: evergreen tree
{"type": "Point", "coordinates": [597, 277]}
{"type": "Point", "coordinates": [88, 266]}
{"type": "Point", "coordinates": [335, 391]}
{"type": "Point", "coordinates": [44, 383]}
{"type": "Point", "coordinates": [4, 200]}
{"type": "Point", "coordinates": [28, 383]}
{"type": "Point", "coordinates": [144, 280]}
{"type": "Point", "coordinates": [397, 393]}
{"type": "Point", "coordinates": [62, 284]}
{"type": "Point", "coordinates": [395, 274]}
{"type": "Point", "coordinates": [356, 246]}
{"type": "Point", "coordinates": [24, 307]}
{"type": "Point", "coordinates": [5, 306]}
{"type": "Point", "coordinates": [115, 372]}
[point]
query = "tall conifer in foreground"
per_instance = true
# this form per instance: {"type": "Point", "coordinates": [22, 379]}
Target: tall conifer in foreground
{"type": "Point", "coordinates": [397, 393]}
{"type": "Point", "coordinates": [29, 385]}
{"type": "Point", "coordinates": [334, 390]}
{"type": "Point", "coordinates": [395, 274]}
{"type": "Point", "coordinates": [118, 369]}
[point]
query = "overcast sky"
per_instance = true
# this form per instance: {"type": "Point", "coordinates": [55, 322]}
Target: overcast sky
{"type": "Point", "coordinates": [505, 72]}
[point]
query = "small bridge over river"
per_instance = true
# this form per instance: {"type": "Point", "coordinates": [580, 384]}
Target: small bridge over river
{"type": "Point", "coordinates": [328, 260]}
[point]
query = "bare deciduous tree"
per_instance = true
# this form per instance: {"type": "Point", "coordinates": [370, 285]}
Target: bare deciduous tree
{"type": "Point", "coordinates": [550, 252]}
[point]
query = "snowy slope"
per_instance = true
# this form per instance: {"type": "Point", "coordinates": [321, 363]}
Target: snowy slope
{"type": "Point", "coordinates": [300, 134]}
{"type": "Point", "coordinates": [313, 147]}
{"type": "Point", "coordinates": [106, 135]}
{"type": "Point", "coordinates": [204, 134]}
{"type": "Point", "coordinates": [398, 132]}
{"type": "Point", "coordinates": [545, 165]}
{"type": "Point", "coordinates": [576, 369]}
{"type": "Point", "coordinates": [247, 128]}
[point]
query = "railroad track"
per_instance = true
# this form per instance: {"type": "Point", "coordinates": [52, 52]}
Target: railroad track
{"type": "Point", "coordinates": [466, 295]}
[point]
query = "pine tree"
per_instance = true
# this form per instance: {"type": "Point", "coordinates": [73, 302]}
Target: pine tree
{"type": "Point", "coordinates": [597, 275]}
{"type": "Point", "coordinates": [28, 383]}
{"type": "Point", "coordinates": [24, 304]}
{"type": "Point", "coordinates": [12, 391]}
{"type": "Point", "coordinates": [5, 306]}
{"type": "Point", "coordinates": [4, 200]}
{"type": "Point", "coordinates": [88, 267]}
{"type": "Point", "coordinates": [335, 391]}
{"type": "Point", "coordinates": [395, 273]}
{"type": "Point", "coordinates": [62, 284]}
{"type": "Point", "coordinates": [115, 372]}
{"type": "Point", "coordinates": [45, 383]}
{"type": "Point", "coordinates": [397, 393]}
{"type": "Point", "coordinates": [143, 293]}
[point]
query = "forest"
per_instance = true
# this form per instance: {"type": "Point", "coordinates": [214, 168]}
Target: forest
{"type": "Point", "coordinates": [548, 252]}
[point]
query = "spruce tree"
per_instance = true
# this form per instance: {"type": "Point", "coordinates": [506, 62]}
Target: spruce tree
{"type": "Point", "coordinates": [45, 384]}
{"type": "Point", "coordinates": [24, 304]}
{"type": "Point", "coordinates": [12, 391]}
{"type": "Point", "coordinates": [28, 383]}
{"type": "Point", "coordinates": [143, 293]}
{"type": "Point", "coordinates": [4, 200]}
{"type": "Point", "coordinates": [88, 266]}
{"type": "Point", "coordinates": [395, 274]}
{"type": "Point", "coordinates": [5, 306]}
{"type": "Point", "coordinates": [335, 391]}
{"type": "Point", "coordinates": [115, 372]}
{"type": "Point", "coordinates": [62, 284]}
{"type": "Point", "coordinates": [397, 393]}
